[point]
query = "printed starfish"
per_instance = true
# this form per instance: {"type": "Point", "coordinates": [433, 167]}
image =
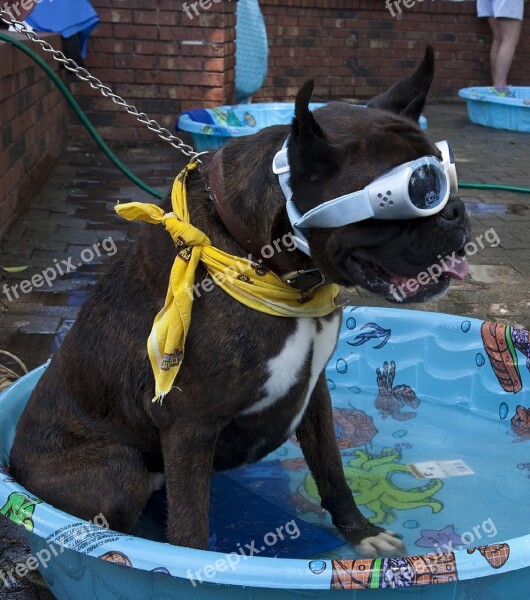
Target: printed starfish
{"type": "Point", "coordinates": [444, 539]}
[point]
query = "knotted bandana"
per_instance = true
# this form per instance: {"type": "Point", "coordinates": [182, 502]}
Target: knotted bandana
{"type": "Point", "coordinates": [248, 282]}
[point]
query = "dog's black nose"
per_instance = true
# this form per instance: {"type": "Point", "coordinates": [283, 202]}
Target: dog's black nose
{"type": "Point", "coordinates": [454, 210]}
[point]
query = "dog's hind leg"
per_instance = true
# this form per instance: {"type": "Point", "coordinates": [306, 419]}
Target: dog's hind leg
{"type": "Point", "coordinates": [319, 445]}
{"type": "Point", "coordinates": [89, 480]}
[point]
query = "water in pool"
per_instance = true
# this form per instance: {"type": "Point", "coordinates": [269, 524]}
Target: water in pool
{"type": "Point", "coordinates": [436, 455]}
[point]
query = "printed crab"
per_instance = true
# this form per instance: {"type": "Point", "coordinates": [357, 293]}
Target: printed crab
{"type": "Point", "coordinates": [390, 400]}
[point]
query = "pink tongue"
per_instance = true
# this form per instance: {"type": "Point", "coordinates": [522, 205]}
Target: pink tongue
{"type": "Point", "coordinates": [400, 279]}
{"type": "Point", "coordinates": [458, 270]}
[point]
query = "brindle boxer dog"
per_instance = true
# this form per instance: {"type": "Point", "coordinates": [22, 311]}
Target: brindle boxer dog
{"type": "Point", "coordinates": [91, 439]}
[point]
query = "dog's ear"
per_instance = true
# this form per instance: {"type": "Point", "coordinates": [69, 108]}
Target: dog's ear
{"type": "Point", "coordinates": [407, 97]}
{"type": "Point", "coordinates": [309, 151]}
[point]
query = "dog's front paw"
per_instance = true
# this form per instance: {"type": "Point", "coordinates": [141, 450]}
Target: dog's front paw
{"type": "Point", "coordinates": [374, 542]}
{"type": "Point", "coordinates": [385, 543]}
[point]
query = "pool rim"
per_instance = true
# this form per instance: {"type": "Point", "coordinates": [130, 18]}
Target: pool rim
{"type": "Point", "coordinates": [185, 123]}
{"type": "Point", "coordinates": [254, 571]}
{"type": "Point", "coordinates": [484, 94]}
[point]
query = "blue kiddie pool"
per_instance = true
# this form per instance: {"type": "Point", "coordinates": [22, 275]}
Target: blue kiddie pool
{"type": "Point", "coordinates": [488, 109]}
{"type": "Point", "coordinates": [432, 416]}
{"type": "Point", "coordinates": [211, 128]}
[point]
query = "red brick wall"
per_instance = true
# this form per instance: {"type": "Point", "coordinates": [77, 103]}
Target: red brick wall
{"type": "Point", "coordinates": [158, 59]}
{"type": "Point", "coordinates": [355, 48]}
{"type": "Point", "coordinates": [152, 54]}
{"type": "Point", "coordinates": [32, 127]}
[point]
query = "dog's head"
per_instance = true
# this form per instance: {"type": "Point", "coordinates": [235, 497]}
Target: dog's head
{"type": "Point", "coordinates": [341, 148]}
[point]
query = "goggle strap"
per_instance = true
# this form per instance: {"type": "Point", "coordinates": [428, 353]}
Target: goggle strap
{"type": "Point", "coordinates": [334, 213]}
{"type": "Point", "coordinates": [280, 163]}
{"type": "Point", "coordinates": [347, 209]}
{"type": "Point", "coordinates": [283, 178]}
{"type": "Point", "coordinates": [293, 213]}
{"type": "Point", "coordinates": [448, 160]}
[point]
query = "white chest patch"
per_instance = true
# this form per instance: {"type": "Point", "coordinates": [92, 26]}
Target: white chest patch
{"type": "Point", "coordinates": [285, 368]}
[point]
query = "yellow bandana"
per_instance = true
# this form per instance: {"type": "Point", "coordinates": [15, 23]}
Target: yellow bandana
{"type": "Point", "coordinates": [248, 282]}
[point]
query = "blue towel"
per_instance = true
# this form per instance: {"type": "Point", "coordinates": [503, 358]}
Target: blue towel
{"type": "Point", "coordinates": [65, 17]}
{"type": "Point", "coordinates": [252, 50]}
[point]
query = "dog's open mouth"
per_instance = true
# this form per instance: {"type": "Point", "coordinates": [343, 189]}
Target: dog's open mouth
{"type": "Point", "coordinates": [427, 284]}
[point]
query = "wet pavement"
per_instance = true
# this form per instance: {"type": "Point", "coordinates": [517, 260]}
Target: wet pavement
{"type": "Point", "coordinates": [74, 211]}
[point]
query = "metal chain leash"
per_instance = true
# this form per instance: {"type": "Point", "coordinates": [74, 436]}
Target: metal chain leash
{"type": "Point", "coordinates": [106, 91]}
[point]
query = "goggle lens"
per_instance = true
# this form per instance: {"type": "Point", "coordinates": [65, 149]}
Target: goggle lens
{"type": "Point", "coordinates": [427, 187]}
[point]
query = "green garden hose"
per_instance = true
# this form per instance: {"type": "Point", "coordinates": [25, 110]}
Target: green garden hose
{"type": "Point", "coordinates": [116, 161]}
{"type": "Point", "coordinates": [81, 115]}
{"type": "Point", "coordinates": [490, 186]}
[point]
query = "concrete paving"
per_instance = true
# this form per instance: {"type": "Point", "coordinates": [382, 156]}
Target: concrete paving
{"type": "Point", "coordinates": [74, 211]}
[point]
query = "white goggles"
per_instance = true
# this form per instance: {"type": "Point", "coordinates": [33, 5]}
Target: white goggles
{"type": "Point", "coordinates": [419, 188]}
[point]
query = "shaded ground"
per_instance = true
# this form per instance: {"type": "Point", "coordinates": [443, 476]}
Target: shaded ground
{"type": "Point", "coordinates": [74, 211]}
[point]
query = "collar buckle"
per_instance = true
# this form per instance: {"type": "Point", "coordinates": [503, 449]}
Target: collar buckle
{"type": "Point", "coordinates": [304, 280]}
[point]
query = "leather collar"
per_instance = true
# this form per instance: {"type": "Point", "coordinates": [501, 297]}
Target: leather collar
{"type": "Point", "coordinates": [305, 279]}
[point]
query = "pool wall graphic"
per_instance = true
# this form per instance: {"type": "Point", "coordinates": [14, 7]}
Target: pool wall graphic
{"type": "Point", "coordinates": [406, 365]}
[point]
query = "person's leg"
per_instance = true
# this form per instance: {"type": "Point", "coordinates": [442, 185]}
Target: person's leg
{"type": "Point", "coordinates": [510, 31]}
{"type": "Point", "coordinates": [495, 44]}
